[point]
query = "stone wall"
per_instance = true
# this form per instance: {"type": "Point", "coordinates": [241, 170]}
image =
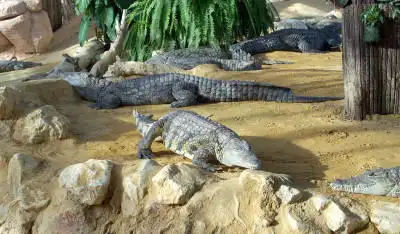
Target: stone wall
{"type": "Point", "coordinates": [24, 25]}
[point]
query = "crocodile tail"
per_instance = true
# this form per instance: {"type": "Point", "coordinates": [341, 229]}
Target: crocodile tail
{"type": "Point", "coordinates": [35, 77]}
{"type": "Point", "coordinates": [308, 99]}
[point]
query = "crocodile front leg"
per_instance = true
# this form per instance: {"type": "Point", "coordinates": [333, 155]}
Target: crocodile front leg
{"type": "Point", "coordinates": [144, 144]}
{"type": "Point", "coordinates": [201, 157]}
{"type": "Point", "coordinates": [185, 95]}
{"type": "Point", "coordinates": [109, 101]}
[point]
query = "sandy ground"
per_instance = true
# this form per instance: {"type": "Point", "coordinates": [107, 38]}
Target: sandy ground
{"type": "Point", "coordinates": [310, 142]}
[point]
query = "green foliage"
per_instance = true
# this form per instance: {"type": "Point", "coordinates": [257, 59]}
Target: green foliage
{"type": "Point", "coordinates": [103, 13]}
{"type": "Point", "coordinates": [173, 24]}
{"type": "Point", "coordinates": [372, 33]}
{"type": "Point", "coordinates": [395, 5]}
{"type": "Point", "coordinates": [373, 16]}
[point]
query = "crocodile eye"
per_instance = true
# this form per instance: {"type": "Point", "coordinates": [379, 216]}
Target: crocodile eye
{"type": "Point", "coordinates": [372, 174]}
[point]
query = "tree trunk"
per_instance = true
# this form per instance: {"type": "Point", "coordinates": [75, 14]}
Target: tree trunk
{"type": "Point", "coordinates": [371, 71]}
{"type": "Point", "coordinates": [54, 9]}
{"type": "Point", "coordinates": [68, 10]}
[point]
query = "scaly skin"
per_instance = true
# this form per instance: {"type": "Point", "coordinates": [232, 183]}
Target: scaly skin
{"type": "Point", "coordinates": [380, 181]}
{"type": "Point", "coordinates": [190, 57]}
{"type": "Point", "coordinates": [13, 65]}
{"type": "Point", "coordinates": [197, 138]}
{"type": "Point", "coordinates": [178, 90]}
{"type": "Point", "coordinates": [303, 40]}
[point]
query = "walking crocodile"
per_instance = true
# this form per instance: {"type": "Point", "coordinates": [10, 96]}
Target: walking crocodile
{"type": "Point", "coordinates": [197, 138]}
{"type": "Point", "coordinates": [303, 40]}
{"type": "Point", "coordinates": [13, 64]}
{"type": "Point", "coordinates": [178, 90]}
{"type": "Point", "coordinates": [380, 181]}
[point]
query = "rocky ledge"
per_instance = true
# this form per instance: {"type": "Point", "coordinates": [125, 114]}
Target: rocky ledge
{"type": "Point", "coordinates": [99, 196]}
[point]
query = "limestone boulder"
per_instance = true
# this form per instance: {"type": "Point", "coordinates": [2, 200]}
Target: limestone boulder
{"type": "Point", "coordinates": [40, 125]}
{"type": "Point", "coordinates": [4, 43]}
{"type": "Point", "coordinates": [342, 220]}
{"type": "Point", "coordinates": [41, 32]}
{"type": "Point", "coordinates": [87, 183]}
{"type": "Point", "coordinates": [176, 183]}
{"type": "Point", "coordinates": [288, 194]}
{"type": "Point", "coordinates": [65, 219]}
{"type": "Point", "coordinates": [34, 5]}
{"type": "Point", "coordinates": [135, 183]}
{"type": "Point", "coordinates": [11, 8]}
{"type": "Point", "coordinates": [18, 31]}
{"type": "Point", "coordinates": [386, 217]}
{"type": "Point", "coordinates": [20, 168]}
{"type": "Point", "coordinates": [9, 97]}
{"type": "Point", "coordinates": [89, 53]}
{"type": "Point", "coordinates": [52, 92]}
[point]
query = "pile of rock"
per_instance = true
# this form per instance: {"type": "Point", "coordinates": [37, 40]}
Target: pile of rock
{"type": "Point", "coordinates": [27, 112]}
{"type": "Point", "coordinates": [25, 25]}
{"type": "Point", "coordinates": [98, 196]}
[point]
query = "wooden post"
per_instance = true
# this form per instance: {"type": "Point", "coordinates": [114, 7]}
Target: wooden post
{"type": "Point", "coordinates": [54, 9]}
{"type": "Point", "coordinates": [371, 71]}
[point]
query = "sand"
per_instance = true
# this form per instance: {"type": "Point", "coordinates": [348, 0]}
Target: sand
{"type": "Point", "coordinates": [310, 142]}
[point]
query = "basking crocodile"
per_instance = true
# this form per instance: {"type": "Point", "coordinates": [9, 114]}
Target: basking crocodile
{"type": "Point", "coordinates": [380, 181]}
{"type": "Point", "coordinates": [176, 89]}
{"type": "Point", "coordinates": [68, 64]}
{"type": "Point", "coordinates": [303, 40]}
{"type": "Point", "coordinates": [197, 138]}
{"type": "Point", "coordinates": [13, 64]}
{"type": "Point", "coordinates": [189, 58]}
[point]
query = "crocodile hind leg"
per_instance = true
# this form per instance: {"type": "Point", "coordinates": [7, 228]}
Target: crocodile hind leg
{"type": "Point", "coordinates": [144, 144]}
{"type": "Point", "coordinates": [306, 47]}
{"type": "Point", "coordinates": [184, 94]}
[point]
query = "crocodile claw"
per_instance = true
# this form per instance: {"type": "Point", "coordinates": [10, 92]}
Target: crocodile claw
{"type": "Point", "coordinates": [144, 154]}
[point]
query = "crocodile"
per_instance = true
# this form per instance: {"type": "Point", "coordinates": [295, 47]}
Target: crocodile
{"type": "Point", "coordinates": [13, 64]}
{"type": "Point", "coordinates": [379, 181]}
{"type": "Point", "coordinates": [178, 90]}
{"type": "Point", "coordinates": [68, 64]}
{"type": "Point", "coordinates": [197, 138]}
{"type": "Point", "coordinates": [188, 58]}
{"type": "Point", "coordinates": [300, 40]}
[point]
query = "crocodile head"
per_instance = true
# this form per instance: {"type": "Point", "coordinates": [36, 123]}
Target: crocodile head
{"type": "Point", "coordinates": [237, 152]}
{"type": "Point", "coordinates": [377, 182]}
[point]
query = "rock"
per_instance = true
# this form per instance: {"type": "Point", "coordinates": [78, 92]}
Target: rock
{"type": "Point", "coordinates": [18, 31]}
{"type": "Point", "coordinates": [6, 129]}
{"type": "Point", "coordinates": [355, 208]}
{"type": "Point", "coordinates": [9, 97]}
{"type": "Point", "coordinates": [288, 194]}
{"type": "Point", "coordinates": [340, 220]}
{"type": "Point", "coordinates": [32, 199]}
{"type": "Point", "coordinates": [51, 92]}
{"type": "Point", "coordinates": [87, 183]}
{"type": "Point", "coordinates": [41, 32]}
{"type": "Point", "coordinates": [89, 53]}
{"type": "Point", "coordinates": [136, 183]}
{"type": "Point", "coordinates": [176, 183]}
{"type": "Point", "coordinates": [386, 216]}
{"type": "Point", "coordinates": [11, 8]}
{"type": "Point", "coordinates": [34, 5]}
{"type": "Point", "coordinates": [291, 23]}
{"type": "Point", "coordinates": [64, 219]}
{"type": "Point", "coordinates": [4, 43]}
{"type": "Point", "coordinates": [301, 218]}
{"type": "Point", "coordinates": [42, 124]}
{"type": "Point", "coordinates": [319, 202]}
{"type": "Point", "coordinates": [20, 168]}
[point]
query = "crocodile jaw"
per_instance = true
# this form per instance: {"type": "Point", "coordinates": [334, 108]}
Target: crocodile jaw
{"type": "Point", "coordinates": [365, 185]}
